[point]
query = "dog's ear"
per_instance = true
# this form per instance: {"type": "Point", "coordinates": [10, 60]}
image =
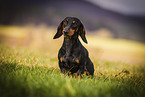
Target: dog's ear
{"type": "Point", "coordinates": [82, 33]}
{"type": "Point", "coordinates": [59, 31]}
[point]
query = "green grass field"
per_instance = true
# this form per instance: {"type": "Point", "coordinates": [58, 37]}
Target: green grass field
{"type": "Point", "coordinates": [29, 66]}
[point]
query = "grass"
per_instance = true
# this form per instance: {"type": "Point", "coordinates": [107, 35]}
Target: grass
{"type": "Point", "coordinates": [32, 70]}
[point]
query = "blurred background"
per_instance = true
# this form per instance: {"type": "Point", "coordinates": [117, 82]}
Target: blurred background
{"type": "Point", "coordinates": [115, 28]}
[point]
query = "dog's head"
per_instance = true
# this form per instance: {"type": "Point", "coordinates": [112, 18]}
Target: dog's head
{"type": "Point", "coordinates": [71, 27]}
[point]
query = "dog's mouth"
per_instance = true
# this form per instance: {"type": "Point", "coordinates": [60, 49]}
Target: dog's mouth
{"type": "Point", "coordinates": [68, 33]}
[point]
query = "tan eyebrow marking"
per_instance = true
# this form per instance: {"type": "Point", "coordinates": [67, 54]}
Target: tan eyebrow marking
{"type": "Point", "coordinates": [66, 19]}
{"type": "Point", "coordinates": [73, 21]}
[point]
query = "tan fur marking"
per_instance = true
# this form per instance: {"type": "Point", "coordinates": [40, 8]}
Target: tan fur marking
{"type": "Point", "coordinates": [66, 19]}
{"type": "Point", "coordinates": [73, 21]}
{"type": "Point", "coordinates": [71, 32]}
{"type": "Point", "coordinates": [83, 29]}
{"type": "Point", "coordinates": [69, 72]}
{"type": "Point", "coordinates": [76, 29]}
{"type": "Point", "coordinates": [76, 75]}
{"type": "Point", "coordinates": [63, 30]}
{"type": "Point", "coordinates": [61, 59]}
{"type": "Point", "coordinates": [88, 73]}
{"type": "Point", "coordinates": [80, 76]}
{"type": "Point", "coordinates": [77, 60]}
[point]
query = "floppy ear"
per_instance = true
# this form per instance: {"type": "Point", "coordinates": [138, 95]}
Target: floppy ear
{"type": "Point", "coordinates": [82, 33]}
{"type": "Point", "coordinates": [59, 31]}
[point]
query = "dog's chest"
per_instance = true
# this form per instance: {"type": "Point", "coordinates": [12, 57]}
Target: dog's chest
{"type": "Point", "coordinates": [68, 49]}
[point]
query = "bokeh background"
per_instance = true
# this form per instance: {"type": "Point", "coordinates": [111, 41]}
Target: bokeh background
{"type": "Point", "coordinates": [115, 28]}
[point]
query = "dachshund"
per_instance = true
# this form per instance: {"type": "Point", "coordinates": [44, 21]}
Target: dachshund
{"type": "Point", "coordinates": [73, 56]}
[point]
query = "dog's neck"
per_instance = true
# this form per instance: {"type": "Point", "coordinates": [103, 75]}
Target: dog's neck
{"type": "Point", "coordinates": [69, 44]}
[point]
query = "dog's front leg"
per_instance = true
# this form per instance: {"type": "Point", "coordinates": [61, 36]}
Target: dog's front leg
{"type": "Point", "coordinates": [80, 71]}
{"type": "Point", "coordinates": [74, 59]}
{"type": "Point", "coordinates": [79, 74]}
{"type": "Point", "coordinates": [61, 65]}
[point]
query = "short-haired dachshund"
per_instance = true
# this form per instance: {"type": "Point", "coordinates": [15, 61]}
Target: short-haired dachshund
{"type": "Point", "coordinates": [73, 56]}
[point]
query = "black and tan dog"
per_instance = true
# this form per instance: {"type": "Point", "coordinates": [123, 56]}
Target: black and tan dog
{"type": "Point", "coordinates": [73, 56]}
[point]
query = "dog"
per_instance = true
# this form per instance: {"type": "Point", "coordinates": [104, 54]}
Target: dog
{"type": "Point", "coordinates": [73, 56]}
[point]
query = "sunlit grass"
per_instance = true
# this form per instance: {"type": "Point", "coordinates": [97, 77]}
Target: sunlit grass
{"type": "Point", "coordinates": [24, 72]}
{"type": "Point", "coordinates": [30, 67]}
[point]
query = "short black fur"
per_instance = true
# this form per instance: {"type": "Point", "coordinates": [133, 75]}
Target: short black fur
{"type": "Point", "coordinates": [73, 56]}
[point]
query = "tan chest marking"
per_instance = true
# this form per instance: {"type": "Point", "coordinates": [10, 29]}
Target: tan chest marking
{"type": "Point", "coordinates": [61, 59]}
{"type": "Point", "coordinates": [77, 60]}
